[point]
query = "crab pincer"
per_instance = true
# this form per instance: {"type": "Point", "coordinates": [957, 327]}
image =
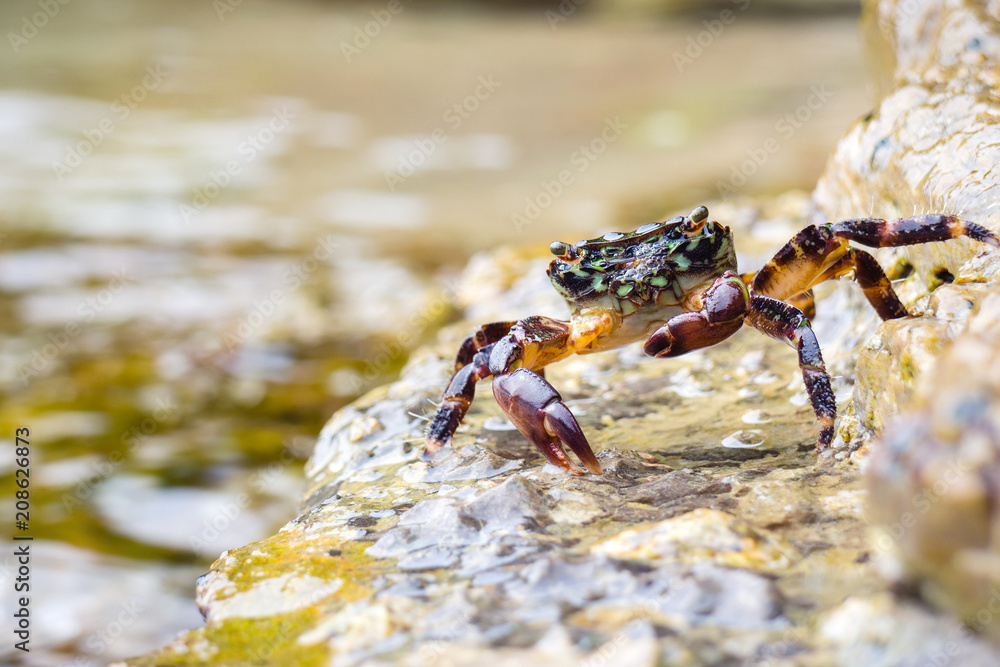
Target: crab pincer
{"type": "Point", "coordinates": [537, 410]}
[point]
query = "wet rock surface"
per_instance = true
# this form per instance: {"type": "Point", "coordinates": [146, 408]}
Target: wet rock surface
{"type": "Point", "coordinates": [714, 535]}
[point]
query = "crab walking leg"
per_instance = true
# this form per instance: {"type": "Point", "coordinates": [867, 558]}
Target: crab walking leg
{"type": "Point", "coordinates": [483, 336]}
{"type": "Point", "coordinates": [822, 252]}
{"type": "Point", "coordinates": [455, 403]}
{"type": "Point", "coordinates": [879, 233]}
{"type": "Point", "coordinates": [529, 401]}
{"type": "Point", "coordinates": [786, 323]}
{"type": "Point", "coordinates": [811, 256]}
{"type": "Point", "coordinates": [471, 365]}
{"type": "Point", "coordinates": [876, 286]}
{"type": "Point", "coordinates": [804, 301]}
{"type": "Point", "coordinates": [721, 315]}
{"type": "Point", "coordinates": [815, 255]}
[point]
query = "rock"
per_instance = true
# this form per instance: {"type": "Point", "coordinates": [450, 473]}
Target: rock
{"type": "Point", "coordinates": [436, 532]}
{"type": "Point", "coordinates": [292, 592]}
{"type": "Point", "coordinates": [900, 351]}
{"type": "Point", "coordinates": [933, 478]}
{"type": "Point", "coordinates": [685, 550]}
{"type": "Point", "coordinates": [928, 147]}
{"type": "Point", "coordinates": [882, 630]}
{"type": "Point", "coordinates": [698, 536]}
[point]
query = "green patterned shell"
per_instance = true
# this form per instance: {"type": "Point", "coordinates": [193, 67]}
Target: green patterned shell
{"type": "Point", "coordinates": [656, 265]}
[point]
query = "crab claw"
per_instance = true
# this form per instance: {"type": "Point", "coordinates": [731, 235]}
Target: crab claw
{"type": "Point", "coordinates": [537, 410]}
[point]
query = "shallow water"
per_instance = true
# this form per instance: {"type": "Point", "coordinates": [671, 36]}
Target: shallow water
{"type": "Point", "coordinates": [217, 229]}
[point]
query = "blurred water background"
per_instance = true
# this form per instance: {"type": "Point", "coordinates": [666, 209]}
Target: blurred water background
{"type": "Point", "coordinates": [221, 221]}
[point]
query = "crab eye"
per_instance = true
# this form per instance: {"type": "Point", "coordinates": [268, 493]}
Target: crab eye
{"type": "Point", "coordinates": [558, 248]}
{"type": "Point", "coordinates": [695, 222]}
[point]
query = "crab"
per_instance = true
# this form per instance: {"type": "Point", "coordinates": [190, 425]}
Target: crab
{"type": "Point", "coordinates": [675, 285]}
